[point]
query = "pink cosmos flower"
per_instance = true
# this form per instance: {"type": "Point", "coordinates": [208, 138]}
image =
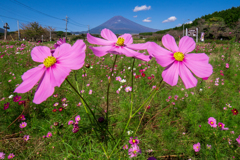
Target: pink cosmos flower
{"type": "Point", "coordinates": [178, 62]}
{"type": "Point", "coordinates": [77, 118]}
{"type": "Point", "coordinates": [55, 68]}
{"type": "Point", "coordinates": [16, 98]}
{"type": "Point", "coordinates": [196, 147]}
{"type": "Point", "coordinates": [121, 45]}
{"type": "Point", "coordinates": [22, 117]}
{"type": "Point", "coordinates": [2, 155]}
{"type": "Point", "coordinates": [133, 151]}
{"type": "Point", "coordinates": [90, 91]}
{"type": "Point", "coordinates": [238, 139]}
{"type": "Point", "coordinates": [70, 122]}
{"type": "Point", "coordinates": [133, 141]}
{"type": "Point", "coordinates": [55, 104]}
{"type": "Point", "coordinates": [212, 122]}
{"type": "Point", "coordinates": [125, 147]}
{"type": "Point", "coordinates": [49, 135]}
{"type": "Point", "coordinates": [60, 42]}
{"type": "Point", "coordinates": [6, 105]}
{"type": "Point", "coordinates": [118, 78]}
{"type": "Point", "coordinates": [23, 125]}
{"type": "Point", "coordinates": [26, 137]}
{"type": "Point", "coordinates": [11, 155]}
{"type": "Point", "coordinates": [221, 125]}
{"type": "Point", "coordinates": [128, 89]}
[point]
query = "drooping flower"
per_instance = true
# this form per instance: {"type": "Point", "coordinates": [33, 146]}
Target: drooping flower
{"type": "Point", "coordinates": [121, 45]}
{"type": "Point", "coordinates": [133, 141]}
{"type": "Point", "coordinates": [55, 68]}
{"type": "Point", "coordinates": [54, 110]}
{"type": "Point", "coordinates": [212, 122]}
{"type": "Point", "coordinates": [26, 137]}
{"type": "Point", "coordinates": [178, 62]}
{"type": "Point", "coordinates": [77, 118]}
{"type": "Point", "coordinates": [75, 129]}
{"type": "Point", "coordinates": [16, 98]}
{"type": "Point", "coordinates": [11, 155]}
{"type": "Point", "coordinates": [196, 147]}
{"type": "Point", "coordinates": [60, 42]}
{"type": "Point", "coordinates": [234, 111]}
{"type": "Point", "coordinates": [6, 105]}
{"type": "Point", "coordinates": [133, 151]}
{"type": "Point", "coordinates": [100, 119]}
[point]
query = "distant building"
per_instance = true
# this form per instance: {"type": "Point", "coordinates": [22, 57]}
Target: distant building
{"type": "Point", "coordinates": [135, 35]}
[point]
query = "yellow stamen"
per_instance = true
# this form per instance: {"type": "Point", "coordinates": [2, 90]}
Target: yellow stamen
{"type": "Point", "coordinates": [134, 152]}
{"type": "Point", "coordinates": [133, 141]}
{"type": "Point", "coordinates": [120, 41]}
{"type": "Point", "coordinates": [179, 56]}
{"type": "Point", "coordinates": [49, 61]}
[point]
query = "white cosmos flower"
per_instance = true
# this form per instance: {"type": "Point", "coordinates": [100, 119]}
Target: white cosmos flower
{"type": "Point", "coordinates": [123, 81]}
{"type": "Point", "coordinates": [11, 96]}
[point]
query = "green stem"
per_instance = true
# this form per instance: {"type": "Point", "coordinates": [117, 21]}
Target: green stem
{"type": "Point", "coordinates": [109, 82]}
{"type": "Point", "coordinates": [131, 116]}
{"type": "Point", "coordinates": [132, 87]}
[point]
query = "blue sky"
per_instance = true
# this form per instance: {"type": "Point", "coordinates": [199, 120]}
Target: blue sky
{"type": "Point", "coordinates": [157, 14]}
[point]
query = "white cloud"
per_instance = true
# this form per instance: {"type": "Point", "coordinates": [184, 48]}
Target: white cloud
{"type": "Point", "coordinates": [188, 22]}
{"type": "Point", "coordinates": [179, 25]}
{"type": "Point", "coordinates": [135, 16]}
{"type": "Point", "coordinates": [147, 20]}
{"type": "Point", "coordinates": [144, 7]}
{"type": "Point", "coordinates": [170, 19]}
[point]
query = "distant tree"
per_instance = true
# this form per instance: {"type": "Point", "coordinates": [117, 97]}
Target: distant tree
{"type": "Point", "coordinates": [32, 30]}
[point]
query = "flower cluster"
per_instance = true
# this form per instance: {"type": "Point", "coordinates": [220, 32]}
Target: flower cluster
{"type": "Point", "coordinates": [134, 150]}
{"type": "Point", "coordinates": [75, 124]}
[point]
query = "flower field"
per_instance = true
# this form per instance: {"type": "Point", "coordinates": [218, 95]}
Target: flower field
{"type": "Point", "coordinates": [94, 100]}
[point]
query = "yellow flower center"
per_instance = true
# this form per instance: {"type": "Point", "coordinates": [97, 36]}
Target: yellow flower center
{"type": "Point", "coordinates": [197, 147]}
{"type": "Point", "coordinates": [49, 61]}
{"type": "Point", "coordinates": [134, 152]}
{"type": "Point", "coordinates": [133, 141]}
{"type": "Point", "coordinates": [179, 56]}
{"type": "Point", "coordinates": [211, 122]}
{"type": "Point", "coordinates": [220, 125]}
{"type": "Point", "coordinates": [120, 41]}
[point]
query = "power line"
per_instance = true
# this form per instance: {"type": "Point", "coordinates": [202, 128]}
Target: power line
{"type": "Point", "coordinates": [77, 22]}
{"type": "Point", "coordinates": [15, 1]}
{"type": "Point", "coordinates": [30, 22]}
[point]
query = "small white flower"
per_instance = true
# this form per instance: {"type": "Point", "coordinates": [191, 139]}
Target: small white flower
{"type": "Point", "coordinates": [123, 81]}
{"type": "Point", "coordinates": [121, 87]}
{"type": "Point", "coordinates": [91, 67]}
{"type": "Point", "coordinates": [134, 68]}
{"type": "Point", "coordinates": [129, 132]}
{"type": "Point", "coordinates": [11, 96]}
{"type": "Point", "coordinates": [129, 67]}
{"type": "Point", "coordinates": [18, 52]}
{"type": "Point", "coordinates": [200, 89]}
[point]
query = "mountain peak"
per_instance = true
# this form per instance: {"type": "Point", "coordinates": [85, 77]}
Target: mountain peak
{"type": "Point", "coordinates": [120, 25]}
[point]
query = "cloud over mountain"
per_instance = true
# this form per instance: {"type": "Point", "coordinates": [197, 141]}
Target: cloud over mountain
{"type": "Point", "coordinates": [144, 7]}
{"type": "Point", "coordinates": [147, 20]}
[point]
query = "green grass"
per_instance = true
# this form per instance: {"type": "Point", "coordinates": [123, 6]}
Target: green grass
{"type": "Point", "coordinates": [167, 129]}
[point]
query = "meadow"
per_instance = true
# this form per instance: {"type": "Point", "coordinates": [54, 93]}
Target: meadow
{"type": "Point", "coordinates": [167, 126]}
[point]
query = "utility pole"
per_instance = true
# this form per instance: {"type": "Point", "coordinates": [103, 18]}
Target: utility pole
{"type": "Point", "coordinates": [183, 25]}
{"type": "Point", "coordinates": [66, 27]}
{"type": "Point", "coordinates": [42, 38]}
{"type": "Point", "coordinates": [50, 36]}
{"type": "Point", "coordinates": [88, 28]}
{"type": "Point", "coordinates": [18, 31]}
{"type": "Point", "coordinates": [6, 26]}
